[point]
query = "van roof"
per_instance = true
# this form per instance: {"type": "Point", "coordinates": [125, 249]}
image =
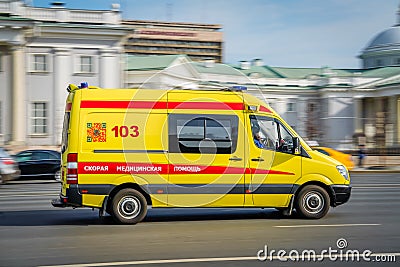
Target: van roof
{"type": "Point", "coordinates": [164, 95]}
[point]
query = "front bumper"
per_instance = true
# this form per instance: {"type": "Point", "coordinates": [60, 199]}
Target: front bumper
{"type": "Point", "coordinates": [341, 194]}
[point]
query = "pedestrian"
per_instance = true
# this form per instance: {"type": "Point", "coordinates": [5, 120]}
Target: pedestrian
{"type": "Point", "coordinates": [361, 156]}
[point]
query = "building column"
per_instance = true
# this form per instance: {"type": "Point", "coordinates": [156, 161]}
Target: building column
{"type": "Point", "coordinates": [19, 115]}
{"type": "Point", "coordinates": [398, 119]}
{"type": "Point", "coordinates": [358, 114]}
{"type": "Point", "coordinates": [110, 69]}
{"type": "Point", "coordinates": [301, 116]}
{"type": "Point", "coordinates": [62, 71]}
{"type": "Point", "coordinates": [370, 109]}
{"type": "Point", "coordinates": [390, 121]}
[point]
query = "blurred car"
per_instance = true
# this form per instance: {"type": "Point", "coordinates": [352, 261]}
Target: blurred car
{"type": "Point", "coordinates": [8, 167]}
{"type": "Point", "coordinates": [339, 156]}
{"type": "Point", "coordinates": [39, 164]}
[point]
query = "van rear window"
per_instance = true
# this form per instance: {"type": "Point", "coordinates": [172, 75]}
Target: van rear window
{"type": "Point", "coordinates": [202, 134]}
{"type": "Point", "coordinates": [64, 141]}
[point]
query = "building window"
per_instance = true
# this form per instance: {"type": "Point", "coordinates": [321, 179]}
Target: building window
{"type": "Point", "coordinates": [39, 118]}
{"type": "Point", "coordinates": [86, 64]}
{"type": "Point", "coordinates": [291, 106]}
{"type": "Point", "coordinates": [40, 63]}
{"type": "Point", "coordinates": [397, 61]}
{"type": "Point", "coordinates": [378, 62]}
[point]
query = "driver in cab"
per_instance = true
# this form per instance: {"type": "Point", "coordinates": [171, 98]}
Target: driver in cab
{"type": "Point", "coordinates": [267, 142]}
{"type": "Point", "coordinates": [257, 137]}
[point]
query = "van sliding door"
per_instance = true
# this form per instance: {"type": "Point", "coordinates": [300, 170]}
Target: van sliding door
{"type": "Point", "coordinates": [206, 151]}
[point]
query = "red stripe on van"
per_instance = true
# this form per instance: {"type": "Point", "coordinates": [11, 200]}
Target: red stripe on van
{"type": "Point", "coordinates": [161, 105]}
{"type": "Point", "coordinates": [121, 168]}
{"type": "Point", "coordinates": [264, 109]}
{"type": "Point", "coordinates": [260, 171]}
{"type": "Point", "coordinates": [148, 168]}
{"type": "Point", "coordinates": [123, 104]}
{"type": "Point", "coordinates": [206, 105]}
{"type": "Point", "coordinates": [199, 169]}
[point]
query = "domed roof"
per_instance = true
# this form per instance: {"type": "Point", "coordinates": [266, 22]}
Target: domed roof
{"type": "Point", "coordinates": [384, 49]}
{"type": "Point", "coordinates": [387, 38]}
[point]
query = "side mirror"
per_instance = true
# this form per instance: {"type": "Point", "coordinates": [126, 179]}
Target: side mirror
{"type": "Point", "coordinates": [296, 146]}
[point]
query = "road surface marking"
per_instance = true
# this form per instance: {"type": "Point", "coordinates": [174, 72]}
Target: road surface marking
{"type": "Point", "coordinates": [373, 184]}
{"type": "Point", "coordinates": [251, 258]}
{"type": "Point", "coordinates": [376, 185]}
{"type": "Point", "coordinates": [121, 263]}
{"type": "Point", "coordinates": [327, 225]}
{"type": "Point", "coordinates": [29, 195]}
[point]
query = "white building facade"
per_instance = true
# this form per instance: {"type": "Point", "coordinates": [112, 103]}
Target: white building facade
{"type": "Point", "coordinates": [42, 50]}
{"type": "Point", "coordinates": [331, 106]}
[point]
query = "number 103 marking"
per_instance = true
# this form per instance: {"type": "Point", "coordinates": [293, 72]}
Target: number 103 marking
{"type": "Point", "coordinates": [126, 131]}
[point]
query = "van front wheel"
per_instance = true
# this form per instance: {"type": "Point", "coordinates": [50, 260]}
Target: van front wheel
{"type": "Point", "coordinates": [312, 202]}
{"type": "Point", "coordinates": [129, 206]}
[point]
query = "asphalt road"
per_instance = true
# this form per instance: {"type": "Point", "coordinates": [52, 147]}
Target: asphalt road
{"type": "Point", "coordinates": [33, 233]}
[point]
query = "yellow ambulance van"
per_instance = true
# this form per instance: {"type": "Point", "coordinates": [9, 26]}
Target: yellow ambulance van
{"type": "Point", "coordinates": [124, 150]}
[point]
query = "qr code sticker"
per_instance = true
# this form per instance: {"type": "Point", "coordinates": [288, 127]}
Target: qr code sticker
{"type": "Point", "coordinates": [96, 132]}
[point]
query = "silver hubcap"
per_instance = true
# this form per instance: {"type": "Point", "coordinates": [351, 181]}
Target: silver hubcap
{"type": "Point", "coordinates": [313, 202]}
{"type": "Point", "coordinates": [129, 207]}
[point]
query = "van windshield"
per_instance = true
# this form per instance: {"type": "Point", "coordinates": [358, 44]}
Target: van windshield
{"type": "Point", "coordinates": [64, 141]}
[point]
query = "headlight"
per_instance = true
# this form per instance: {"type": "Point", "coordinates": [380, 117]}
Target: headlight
{"type": "Point", "coordinates": [343, 171]}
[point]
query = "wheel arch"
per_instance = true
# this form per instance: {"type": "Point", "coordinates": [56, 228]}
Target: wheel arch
{"type": "Point", "coordinates": [326, 187]}
{"type": "Point", "coordinates": [135, 186]}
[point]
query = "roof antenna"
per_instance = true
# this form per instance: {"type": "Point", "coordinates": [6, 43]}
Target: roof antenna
{"type": "Point", "coordinates": [398, 15]}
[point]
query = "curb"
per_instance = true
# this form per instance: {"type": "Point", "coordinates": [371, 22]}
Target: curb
{"type": "Point", "coordinates": [30, 182]}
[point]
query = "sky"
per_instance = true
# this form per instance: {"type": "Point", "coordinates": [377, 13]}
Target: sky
{"type": "Point", "coordinates": [283, 33]}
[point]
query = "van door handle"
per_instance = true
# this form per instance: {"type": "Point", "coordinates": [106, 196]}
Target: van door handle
{"type": "Point", "coordinates": [236, 159]}
{"type": "Point", "coordinates": [257, 159]}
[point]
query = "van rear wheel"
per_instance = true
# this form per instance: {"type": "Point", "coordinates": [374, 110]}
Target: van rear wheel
{"type": "Point", "coordinates": [312, 202]}
{"type": "Point", "coordinates": [129, 206]}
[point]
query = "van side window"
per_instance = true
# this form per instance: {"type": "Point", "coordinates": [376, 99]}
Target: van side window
{"type": "Point", "coordinates": [264, 131]}
{"type": "Point", "coordinates": [269, 133]}
{"type": "Point", "coordinates": [208, 134]}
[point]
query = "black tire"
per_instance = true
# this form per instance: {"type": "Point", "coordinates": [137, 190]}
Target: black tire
{"type": "Point", "coordinates": [312, 202]}
{"type": "Point", "coordinates": [128, 206]}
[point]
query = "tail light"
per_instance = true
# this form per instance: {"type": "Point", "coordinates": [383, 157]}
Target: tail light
{"type": "Point", "coordinates": [8, 161]}
{"type": "Point", "coordinates": [72, 168]}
